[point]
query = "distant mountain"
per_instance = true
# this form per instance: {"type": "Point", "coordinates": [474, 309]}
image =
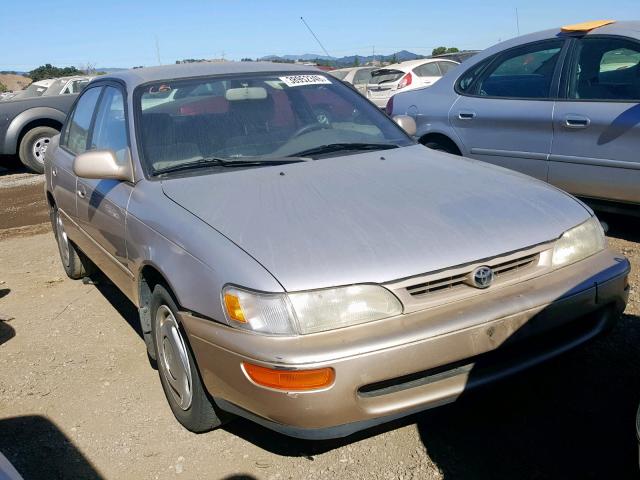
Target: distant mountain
{"type": "Point", "coordinates": [401, 56]}
{"type": "Point", "coordinates": [109, 70]}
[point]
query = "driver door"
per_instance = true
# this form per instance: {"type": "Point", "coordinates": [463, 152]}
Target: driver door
{"type": "Point", "coordinates": [101, 204]}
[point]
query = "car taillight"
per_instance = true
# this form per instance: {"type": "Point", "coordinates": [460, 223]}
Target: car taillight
{"type": "Point", "coordinates": [389, 108]}
{"type": "Point", "coordinates": [406, 81]}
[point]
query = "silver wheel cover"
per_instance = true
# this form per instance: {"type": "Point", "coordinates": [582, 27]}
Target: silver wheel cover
{"type": "Point", "coordinates": [173, 359]}
{"type": "Point", "coordinates": [39, 148]}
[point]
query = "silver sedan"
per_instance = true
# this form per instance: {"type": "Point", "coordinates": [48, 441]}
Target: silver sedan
{"type": "Point", "coordinates": [318, 277]}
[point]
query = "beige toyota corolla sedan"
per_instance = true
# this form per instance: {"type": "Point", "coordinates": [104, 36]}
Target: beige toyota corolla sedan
{"type": "Point", "coordinates": [317, 274]}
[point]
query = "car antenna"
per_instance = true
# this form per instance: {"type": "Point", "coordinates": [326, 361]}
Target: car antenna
{"type": "Point", "coordinates": [316, 37]}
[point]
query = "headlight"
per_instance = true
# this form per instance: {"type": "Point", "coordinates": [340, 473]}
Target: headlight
{"type": "Point", "coordinates": [578, 243]}
{"type": "Point", "coordinates": [308, 312]}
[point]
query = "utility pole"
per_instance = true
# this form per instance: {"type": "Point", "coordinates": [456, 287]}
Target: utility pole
{"type": "Point", "coordinates": [373, 54]}
{"type": "Point", "coordinates": [316, 37]}
{"type": "Point", "coordinates": [517, 21]}
{"type": "Point", "coordinates": [158, 51]}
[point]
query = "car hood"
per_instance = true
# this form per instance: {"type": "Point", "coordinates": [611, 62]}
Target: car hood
{"type": "Point", "coordinates": [375, 217]}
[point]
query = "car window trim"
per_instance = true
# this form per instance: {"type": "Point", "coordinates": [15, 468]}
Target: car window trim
{"type": "Point", "coordinates": [572, 63]}
{"type": "Point", "coordinates": [66, 126]}
{"type": "Point", "coordinates": [99, 104]}
{"type": "Point", "coordinates": [492, 60]}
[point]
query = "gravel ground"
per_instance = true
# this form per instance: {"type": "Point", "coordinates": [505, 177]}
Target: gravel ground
{"type": "Point", "coordinates": [79, 400]}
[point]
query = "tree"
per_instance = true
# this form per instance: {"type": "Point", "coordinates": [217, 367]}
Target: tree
{"type": "Point", "coordinates": [3, 87]}
{"type": "Point", "coordinates": [394, 58]}
{"type": "Point", "coordinates": [49, 71]}
{"type": "Point", "coordinates": [443, 50]}
{"type": "Point", "coordinates": [356, 61]}
{"type": "Point", "coordinates": [246, 59]}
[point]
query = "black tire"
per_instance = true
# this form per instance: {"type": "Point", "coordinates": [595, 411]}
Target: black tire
{"type": "Point", "coordinates": [76, 265]}
{"type": "Point", "coordinates": [440, 147]}
{"type": "Point", "coordinates": [33, 145]}
{"type": "Point", "coordinates": [200, 415]}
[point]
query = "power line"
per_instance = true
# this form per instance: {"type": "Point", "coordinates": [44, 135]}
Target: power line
{"type": "Point", "coordinates": [316, 37]}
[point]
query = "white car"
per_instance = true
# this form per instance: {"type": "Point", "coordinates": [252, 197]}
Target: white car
{"type": "Point", "coordinates": [386, 82]}
{"type": "Point", "coordinates": [359, 77]}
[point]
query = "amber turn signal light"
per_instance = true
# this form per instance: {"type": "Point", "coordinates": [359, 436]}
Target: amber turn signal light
{"type": "Point", "coordinates": [234, 309]}
{"type": "Point", "coordinates": [290, 379]}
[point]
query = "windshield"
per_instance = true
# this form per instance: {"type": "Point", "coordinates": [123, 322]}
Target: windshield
{"type": "Point", "coordinates": [385, 75]}
{"type": "Point", "coordinates": [256, 117]}
{"type": "Point", "coordinates": [31, 91]}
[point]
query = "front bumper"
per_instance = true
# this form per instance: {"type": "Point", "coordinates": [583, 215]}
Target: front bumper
{"type": "Point", "coordinates": [398, 366]}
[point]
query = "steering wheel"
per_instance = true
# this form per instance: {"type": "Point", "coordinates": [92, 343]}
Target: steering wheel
{"type": "Point", "coordinates": [308, 128]}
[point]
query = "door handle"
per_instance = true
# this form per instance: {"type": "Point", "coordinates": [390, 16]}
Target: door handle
{"type": "Point", "coordinates": [576, 121]}
{"type": "Point", "coordinates": [54, 171]}
{"type": "Point", "coordinates": [466, 115]}
{"type": "Point", "coordinates": [81, 192]}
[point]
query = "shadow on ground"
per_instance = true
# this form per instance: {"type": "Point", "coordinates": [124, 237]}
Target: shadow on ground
{"type": "Point", "coordinates": [624, 227]}
{"type": "Point", "coordinates": [39, 450]}
{"type": "Point", "coordinates": [6, 332]}
{"type": "Point", "coordinates": [571, 418]}
{"type": "Point", "coordinates": [11, 164]}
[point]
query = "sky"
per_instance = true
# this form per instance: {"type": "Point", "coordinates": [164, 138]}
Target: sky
{"type": "Point", "coordinates": [124, 33]}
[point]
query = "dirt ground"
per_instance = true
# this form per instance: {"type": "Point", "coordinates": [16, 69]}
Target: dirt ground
{"type": "Point", "coordinates": [78, 398]}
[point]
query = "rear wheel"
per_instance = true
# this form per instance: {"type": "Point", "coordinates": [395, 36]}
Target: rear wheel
{"type": "Point", "coordinates": [75, 264]}
{"type": "Point", "coordinates": [179, 375]}
{"type": "Point", "coordinates": [33, 147]}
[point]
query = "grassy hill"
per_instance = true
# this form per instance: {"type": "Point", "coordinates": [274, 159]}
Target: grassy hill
{"type": "Point", "coordinates": [14, 82]}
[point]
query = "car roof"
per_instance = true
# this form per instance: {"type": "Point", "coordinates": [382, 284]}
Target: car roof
{"type": "Point", "coordinates": [410, 64]}
{"type": "Point", "coordinates": [624, 29]}
{"type": "Point", "coordinates": [137, 76]}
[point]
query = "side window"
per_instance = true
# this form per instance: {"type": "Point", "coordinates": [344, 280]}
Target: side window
{"type": "Point", "coordinates": [76, 131]}
{"type": "Point", "coordinates": [110, 129]}
{"type": "Point", "coordinates": [362, 76]}
{"type": "Point", "coordinates": [446, 66]}
{"type": "Point", "coordinates": [606, 69]}
{"type": "Point", "coordinates": [524, 72]}
{"type": "Point", "coordinates": [467, 80]}
{"type": "Point", "coordinates": [427, 70]}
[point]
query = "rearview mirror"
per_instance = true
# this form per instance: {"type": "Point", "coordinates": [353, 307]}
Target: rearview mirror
{"type": "Point", "coordinates": [407, 123]}
{"type": "Point", "coordinates": [102, 165]}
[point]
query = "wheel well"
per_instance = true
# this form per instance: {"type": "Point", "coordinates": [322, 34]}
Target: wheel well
{"type": "Point", "coordinates": [149, 278]}
{"type": "Point", "coordinates": [442, 140]}
{"type": "Point", "coordinates": [41, 122]}
{"type": "Point", "coordinates": [50, 200]}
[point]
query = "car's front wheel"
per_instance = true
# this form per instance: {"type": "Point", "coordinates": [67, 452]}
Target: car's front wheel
{"type": "Point", "coordinates": [33, 147]}
{"type": "Point", "coordinates": [177, 368]}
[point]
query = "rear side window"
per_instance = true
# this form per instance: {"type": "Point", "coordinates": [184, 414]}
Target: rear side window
{"type": "Point", "coordinates": [77, 129]}
{"type": "Point", "coordinates": [427, 70]}
{"type": "Point", "coordinates": [340, 74]}
{"type": "Point", "coordinates": [606, 69]}
{"type": "Point", "coordinates": [523, 72]}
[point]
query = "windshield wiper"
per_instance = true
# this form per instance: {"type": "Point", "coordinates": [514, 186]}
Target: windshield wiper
{"type": "Point", "coordinates": [338, 147]}
{"type": "Point", "coordinates": [225, 162]}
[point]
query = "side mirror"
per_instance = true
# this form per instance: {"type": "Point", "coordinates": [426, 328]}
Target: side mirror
{"type": "Point", "coordinates": [407, 123]}
{"type": "Point", "coordinates": [102, 165]}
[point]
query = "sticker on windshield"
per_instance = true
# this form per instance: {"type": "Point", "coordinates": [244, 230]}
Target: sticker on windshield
{"type": "Point", "coordinates": [298, 80]}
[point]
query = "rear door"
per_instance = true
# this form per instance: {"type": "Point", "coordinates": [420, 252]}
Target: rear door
{"type": "Point", "coordinates": [505, 111]}
{"type": "Point", "coordinates": [597, 126]}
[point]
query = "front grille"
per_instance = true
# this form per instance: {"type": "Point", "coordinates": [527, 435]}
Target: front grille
{"type": "Point", "coordinates": [501, 270]}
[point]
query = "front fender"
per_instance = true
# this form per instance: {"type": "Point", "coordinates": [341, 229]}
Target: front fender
{"type": "Point", "coordinates": [26, 117]}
